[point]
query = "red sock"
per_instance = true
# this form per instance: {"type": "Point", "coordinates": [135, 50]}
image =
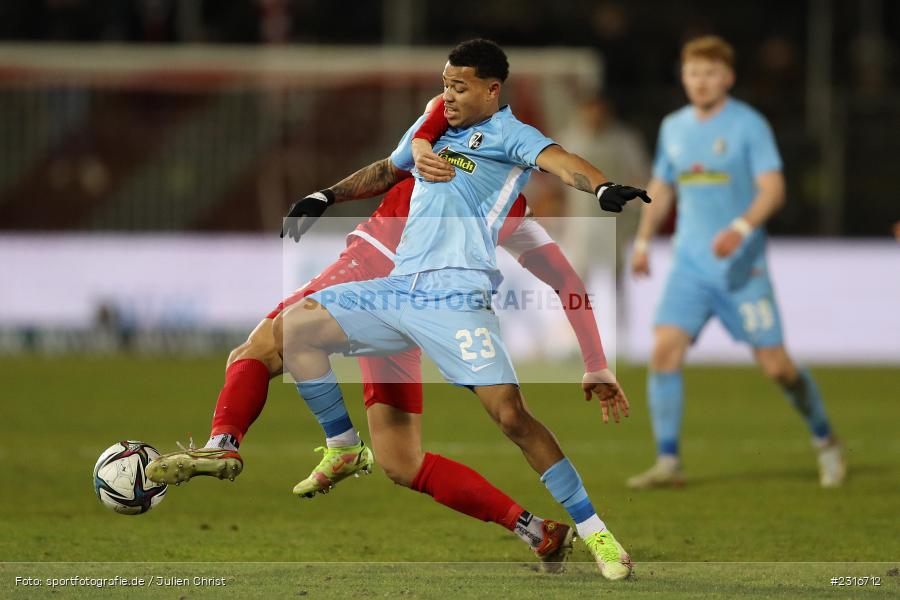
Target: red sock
{"type": "Point", "coordinates": [242, 397]}
{"type": "Point", "coordinates": [462, 489]}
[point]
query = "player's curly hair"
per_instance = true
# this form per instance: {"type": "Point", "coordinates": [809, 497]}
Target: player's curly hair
{"type": "Point", "coordinates": [485, 56]}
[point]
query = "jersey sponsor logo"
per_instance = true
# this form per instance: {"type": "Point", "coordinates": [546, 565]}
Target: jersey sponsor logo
{"type": "Point", "coordinates": [458, 160]}
{"type": "Point", "coordinates": [700, 177]}
{"type": "Point", "coordinates": [476, 140]}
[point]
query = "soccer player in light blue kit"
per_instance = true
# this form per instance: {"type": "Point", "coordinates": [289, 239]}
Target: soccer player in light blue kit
{"type": "Point", "coordinates": [719, 155]}
{"type": "Point", "coordinates": [437, 297]}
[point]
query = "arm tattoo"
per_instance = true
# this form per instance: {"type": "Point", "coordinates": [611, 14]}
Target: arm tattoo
{"type": "Point", "coordinates": [581, 182]}
{"type": "Point", "coordinates": [369, 181]}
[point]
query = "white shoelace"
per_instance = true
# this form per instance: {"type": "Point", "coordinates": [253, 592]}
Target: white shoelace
{"type": "Point", "coordinates": [191, 445]}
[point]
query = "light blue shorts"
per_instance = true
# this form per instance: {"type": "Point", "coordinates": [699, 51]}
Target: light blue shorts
{"type": "Point", "coordinates": [446, 313]}
{"type": "Point", "coordinates": [749, 312]}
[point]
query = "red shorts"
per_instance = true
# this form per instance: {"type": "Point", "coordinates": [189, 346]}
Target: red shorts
{"type": "Point", "coordinates": [392, 380]}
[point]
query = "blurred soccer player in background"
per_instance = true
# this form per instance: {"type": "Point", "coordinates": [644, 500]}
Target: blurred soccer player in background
{"type": "Point", "coordinates": [598, 135]}
{"type": "Point", "coordinates": [719, 156]}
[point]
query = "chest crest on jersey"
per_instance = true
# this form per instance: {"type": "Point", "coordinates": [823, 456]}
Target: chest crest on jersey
{"type": "Point", "coordinates": [476, 140]}
{"type": "Point", "coordinates": [458, 160]}
{"type": "Point", "coordinates": [719, 147]}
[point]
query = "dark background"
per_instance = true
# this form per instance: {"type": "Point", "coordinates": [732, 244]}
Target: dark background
{"type": "Point", "coordinates": [825, 72]}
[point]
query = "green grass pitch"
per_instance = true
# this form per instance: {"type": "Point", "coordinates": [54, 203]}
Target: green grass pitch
{"type": "Point", "coordinates": [752, 521]}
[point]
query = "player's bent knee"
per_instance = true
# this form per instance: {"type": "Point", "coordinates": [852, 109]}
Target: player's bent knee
{"type": "Point", "coordinates": [278, 329]}
{"type": "Point", "coordinates": [265, 353]}
{"type": "Point", "coordinates": [668, 353]}
{"type": "Point", "coordinates": [307, 325]}
{"type": "Point", "coordinates": [670, 346]}
{"type": "Point", "coordinates": [507, 408]}
{"type": "Point", "coordinates": [514, 420]}
{"type": "Point", "coordinates": [779, 372]}
{"type": "Point", "coordinates": [295, 328]}
{"type": "Point", "coordinates": [261, 346]}
{"type": "Point", "coordinates": [776, 365]}
{"type": "Point", "coordinates": [238, 353]}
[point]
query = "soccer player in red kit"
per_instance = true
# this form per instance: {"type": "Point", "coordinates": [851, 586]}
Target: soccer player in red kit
{"type": "Point", "coordinates": [391, 384]}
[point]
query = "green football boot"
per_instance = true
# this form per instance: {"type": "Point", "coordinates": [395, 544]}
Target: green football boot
{"type": "Point", "coordinates": [611, 557]}
{"type": "Point", "coordinates": [337, 464]}
{"type": "Point", "coordinates": [178, 467]}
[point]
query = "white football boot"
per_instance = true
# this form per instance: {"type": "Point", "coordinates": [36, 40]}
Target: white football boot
{"type": "Point", "coordinates": [666, 472]}
{"type": "Point", "coordinates": [832, 464]}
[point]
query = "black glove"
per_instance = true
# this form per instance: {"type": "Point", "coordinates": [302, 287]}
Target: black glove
{"type": "Point", "coordinates": [613, 196]}
{"type": "Point", "coordinates": [304, 213]}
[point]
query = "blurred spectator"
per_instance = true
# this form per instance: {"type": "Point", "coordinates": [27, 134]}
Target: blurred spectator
{"type": "Point", "coordinates": [872, 58]}
{"type": "Point", "coordinates": [275, 21]}
{"type": "Point", "coordinates": [619, 151]}
{"type": "Point", "coordinates": [112, 329]}
{"type": "Point", "coordinates": [775, 71]}
{"type": "Point", "coordinates": [614, 39]}
{"type": "Point", "coordinates": [545, 196]}
{"type": "Point", "coordinates": [154, 20]}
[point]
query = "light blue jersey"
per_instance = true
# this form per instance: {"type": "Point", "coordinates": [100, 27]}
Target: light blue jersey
{"type": "Point", "coordinates": [713, 165]}
{"type": "Point", "coordinates": [456, 224]}
{"type": "Point", "coordinates": [437, 296]}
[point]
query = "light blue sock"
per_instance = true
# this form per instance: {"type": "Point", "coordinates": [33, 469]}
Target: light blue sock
{"type": "Point", "coordinates": [804, 395]}
{"type": "Point", "coordinates": [566, 488]}
{"type": "Point", "coordinates": [665, 394]}
{"type": "Point", "coordinates": [324, 399]}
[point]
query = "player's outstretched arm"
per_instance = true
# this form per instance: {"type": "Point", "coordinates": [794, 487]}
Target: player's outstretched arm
{"type": "Point", "coordinates": [552, 267]}
{"type": "Point", "coordinates": [652, 217]}
{"type": "Point", "coordinates": [582, 175]}
{"type": "Point", "coordinates": [545, 260]}
{"type": "Point", "coordinates": [769, 199]}
{"type": "Point", "coordinates": [605, 386]}
{"type": "Point", "coordinates": [548, 263]}
{"type": "Point", "coordinates": [368, 182]}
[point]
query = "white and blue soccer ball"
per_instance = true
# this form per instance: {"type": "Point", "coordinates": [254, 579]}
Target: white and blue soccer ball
{"type": "Point", "coordinates": [120, 480]}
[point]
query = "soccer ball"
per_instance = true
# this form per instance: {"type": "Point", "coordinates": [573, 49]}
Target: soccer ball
{"type": "Point", "coordinates": [120, 482]}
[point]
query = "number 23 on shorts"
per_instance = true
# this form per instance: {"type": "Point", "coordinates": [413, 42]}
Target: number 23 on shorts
{"type": "Point", "coordinates": [487, 346]}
